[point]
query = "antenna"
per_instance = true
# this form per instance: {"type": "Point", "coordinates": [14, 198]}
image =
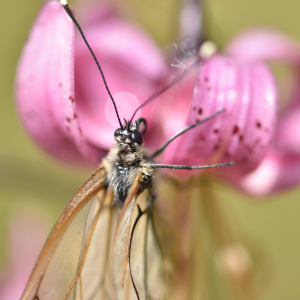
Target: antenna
{"type": "Point", "coordinates": [69, 12]}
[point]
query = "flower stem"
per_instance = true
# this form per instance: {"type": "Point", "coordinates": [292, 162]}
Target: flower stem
{"type": "Point", "coordinates": [190, 21]}
{"type": "Point", "coordinates": [233, 258]}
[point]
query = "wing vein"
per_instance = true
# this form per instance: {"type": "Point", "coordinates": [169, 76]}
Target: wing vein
{"type": "Point", "coordinates": [89, 189]}
{"type": "Point", "coordinates": [86, 246]}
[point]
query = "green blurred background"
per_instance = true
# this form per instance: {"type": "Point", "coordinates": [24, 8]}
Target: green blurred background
{"type": "Point", "coordinates": [31, 181]}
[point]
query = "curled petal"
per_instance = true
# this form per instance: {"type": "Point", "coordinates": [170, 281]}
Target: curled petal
{"type": "Point", "coordinates": [263, 44]}
{"type": "Point", "coordinates": [271, 45]}
{"type": "Point", "coordinates": [78, 128]}
{"type": "Point", "coordinates": [277, 172]}
{"type": "Point", "coordinates": [288, 132]}
{"type": "Point", "coordinates": [94, 13]}
{"type": "Point", "coordinates": [45, 87]}
{"type": "Point", "coordinates": [244, 131]}
{"type": "Point", "coordinates": [280, 166]}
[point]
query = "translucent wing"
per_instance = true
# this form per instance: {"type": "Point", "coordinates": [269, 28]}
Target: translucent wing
{"type": "Point", "coordinates": [118, 256]}
{"type": "Point", "coordinates": [91, 280]}
{"type": "Point", "coordinates": [145, 276]}
{"type": "Point", "coordinates": [94, 281]}
{"type": "Point", "coordinates": [58, 263]}
{"type": "Point", "coordinates": [106, 272]}
{"type": "Point", "coordinates": [86, 256]}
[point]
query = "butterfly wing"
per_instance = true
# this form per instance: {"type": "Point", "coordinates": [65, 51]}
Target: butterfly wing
{"type": "Point", "coordinates": [57, 265]}
{"type": "Point", "coordinates": [86, 256]}
{"type": "Point", "coordinates": [91, 283]}
{"type": "Point", "coordinates": [145, 277]}
{"type": "Point", "coordinates": [147, 263]}
{"type": "Point", "coordinates": [96, 279]}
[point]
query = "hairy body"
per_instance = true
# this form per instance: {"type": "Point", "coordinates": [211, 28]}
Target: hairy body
{"type": "Point", "coordinates": [125, 161]}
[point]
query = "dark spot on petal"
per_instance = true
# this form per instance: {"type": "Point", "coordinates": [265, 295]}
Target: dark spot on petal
{"type": "Point", "coordinates": [68, 120]}
{"type": "Point", "coordinates": [202, 137]}
{"type": "Point", "coordinates": [200, 111]}
{"type": "Point", "coordinates": [206, 78]}
{"type": "Point", "coordinates": [195, 107]}
{"type": "Point", "coordinates": [216, 147]}
{"type": "Point", "coordinates": [75, 116]}
{"type": "Point", "coordinates": [258, 124]}
{"type": "Point", "coordinates": [216, 131]}
{"type": "Point", "coordinates": [235, 129]}
{"type": "Point", "coordinates": [71, 98]}
{"type": "Point", "coordinates": [60, 84]}
{"type": "Point", "coordinates": [198, 120]}
{"type": "Point", "coordinates": [241, 138]}
{"type": "Point", "coordinates": [209, 88]}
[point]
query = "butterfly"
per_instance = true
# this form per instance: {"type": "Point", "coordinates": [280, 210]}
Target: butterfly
{"type": "Point", "coordinates": [105, 244]}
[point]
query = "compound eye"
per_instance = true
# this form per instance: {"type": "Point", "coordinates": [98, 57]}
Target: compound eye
{"type": "Point", "coordinates": [137, 137]}
{"type": "Point", "coordinates": [117, 133]}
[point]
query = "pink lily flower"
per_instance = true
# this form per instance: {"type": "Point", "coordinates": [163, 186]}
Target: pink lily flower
{"type": "Point", "coordinates": [45, 88]}
{"type": "Point", "coordinates": [63, 104]}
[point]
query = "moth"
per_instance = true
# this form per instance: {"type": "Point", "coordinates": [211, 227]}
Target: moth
{"type": "Point", "coordinates": [105, 243]}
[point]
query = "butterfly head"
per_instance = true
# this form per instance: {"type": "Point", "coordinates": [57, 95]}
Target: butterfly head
{"type": "Point", "coordinates": [131, 134]}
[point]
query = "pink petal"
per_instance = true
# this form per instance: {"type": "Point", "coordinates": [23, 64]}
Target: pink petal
{"type": "Point", "coordinates": [170, 111]}
{"type": "Point", "coordinates": [244, 132]}
{"type": "Point", "coordinates": [279, 169]}
{"type": "Point", "coordinates": [288, 133]}
{"type": "Point", "coordinates": [277, 172]}
{"type": "Point", "coordinates": [94, 13]}
{"type": "Point", "coordinates": [264, 44]}
{"type": "Point", "coordinates": [131, 63]}
{"type": "Point", "coordinates": [45, 87]}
